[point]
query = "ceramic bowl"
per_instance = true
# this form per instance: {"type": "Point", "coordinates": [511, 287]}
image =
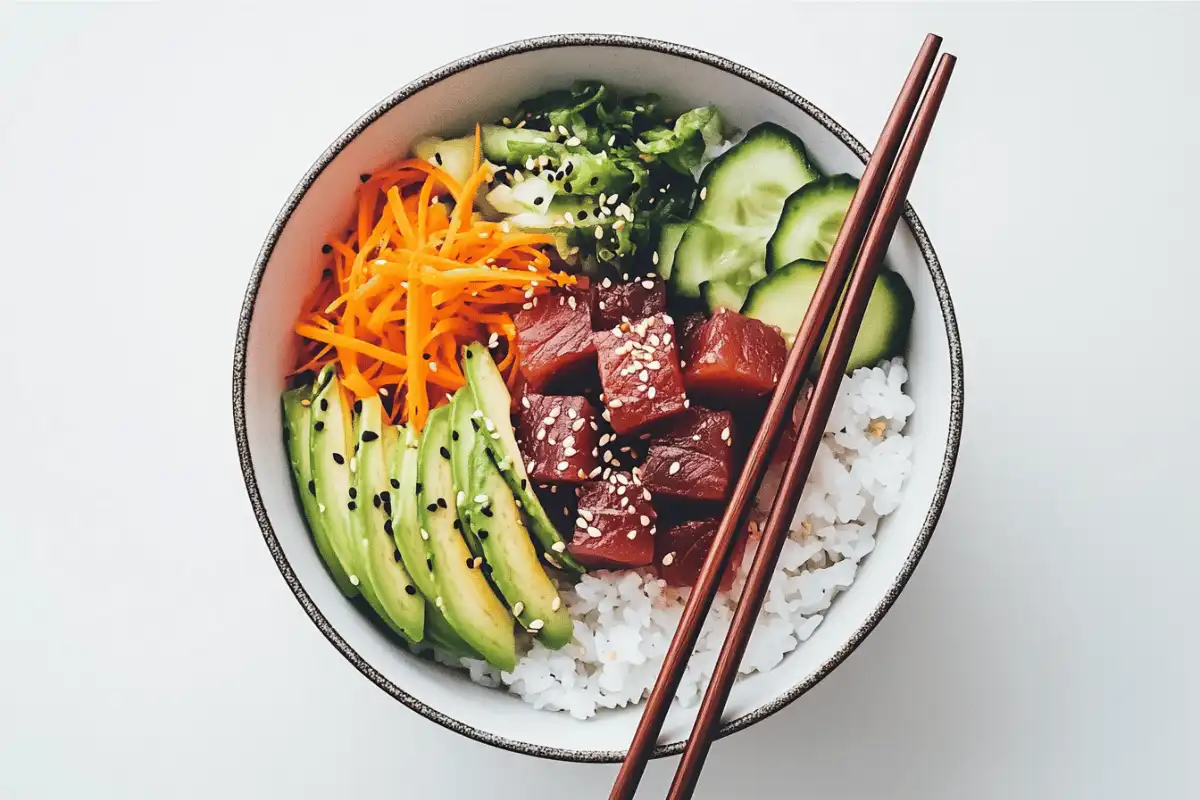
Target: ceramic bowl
{"type": "Point", "coordinates": [484, 86]}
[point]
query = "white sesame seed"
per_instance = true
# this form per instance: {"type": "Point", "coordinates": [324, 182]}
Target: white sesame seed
{"type": "Point", "coordinates": [531, 466]}
{"type": "Point", "coordinates": [558, 547]}
{"type": "Point", "coordinates": [529, 163]}
{"type": "Point", "coordinates": [437, 601]}
{"type": "Point", "coordinates": [562, 465]}
{"type": "Point", "coordinates": [703, 192]}
{"type": "Point", "coordinates": [612, 140]}
{"type": "Point", "coordinates": [525, 402]}
{"type": "Point", "coordinates": [424, 534]}
{"type": "Point", "coordinates": [321, 507]}
{"type": "Point", "coordinates": [669, 559]}
{"type": "Point", "coordinates": [481, 498]}
{"type": "Point", "coordinates": [573, 141]}
{"type": "Point", "coordinates": [354, 580]}
{"type": "Point", "coordinates": [631, 535]}
{"type": "Point", "coordinates": [725, 433]}
{"type": "Point", "coordinates": [599, 232]}
{"type": "Point", "coordinates": [654, 258]}
{"type": "Point", "coordinates": [518, 607]}
{"type": "Point", "coordinates": [651, 392]}
{"type": "Point", "coordinates": [541, 434]}
{"type": "Point", "coordinates": [649, 284]}
{"type": "Point", "coordinates": [646, 494]}
{"type": "Point", "coordinates": [536, 625]}
{"type": "Point", "coordinates": [614, 403]}
{"type": "Point", "coordinates": [673, 468]}
{"type": "Point", "coordinates": [594, 532]}
{"type": "Point", "coordinates": [353, 464]}
{"type": "Point", "coordinates": [556, 603]}
{"type": "Point", "coordinates": [645, 520]}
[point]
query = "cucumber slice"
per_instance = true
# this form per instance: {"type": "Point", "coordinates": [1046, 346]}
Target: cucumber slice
{"type": "Point", "coordinates": [455, 156]}
{"type": "Point", "coordinates": [721, 294]}
{"type": "Point", "coordinates": [668, 242]}
{"type": "Point", "coordinates": [782, 298]}
{"type": "Point", "coordinates": [811, 220]}
{"type": "Point", "coordinates": [741, 196]}
{"type": "Point", "coordinates": [494, 140]}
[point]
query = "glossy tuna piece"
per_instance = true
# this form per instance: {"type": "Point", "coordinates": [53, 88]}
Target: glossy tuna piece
{"type": "Point", "coordinates": [615, 527]}
{"type": "Point", "coordinates": [680, 551]}
{"type": "Point", "coordinates": [559, 438]}
{"type": "Point", "coordinates": [639, 369]}
{"type": "Point", "coordinates": [614, 303]}
{"type": "Point", "coordinates": [733, 358]}
{"type": "Point", "coordinates": [692, 456]}
{"type": "Point", "coordinates": [560, 504]}
{"type": "Point", "coordinates": [555, 338]}
{"type": "Point", "coordinates": [688, 327]}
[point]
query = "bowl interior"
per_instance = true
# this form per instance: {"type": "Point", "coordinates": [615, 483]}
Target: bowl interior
{"type": "Point", "coordinates": [482, 90]}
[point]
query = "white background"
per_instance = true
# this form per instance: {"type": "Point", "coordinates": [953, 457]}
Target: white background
{"type": "Point", "coordinates": [148, 647]}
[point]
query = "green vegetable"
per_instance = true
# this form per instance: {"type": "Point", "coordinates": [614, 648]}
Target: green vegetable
{"type": "Point", "coordinates": [682, 147]}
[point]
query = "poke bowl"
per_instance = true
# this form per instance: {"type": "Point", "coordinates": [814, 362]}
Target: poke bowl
{"type": "Point", "coordinates": [503, 350]}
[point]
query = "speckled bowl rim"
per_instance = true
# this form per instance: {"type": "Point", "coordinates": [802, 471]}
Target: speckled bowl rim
{"type": "Point", "coordinates": [483, 57]}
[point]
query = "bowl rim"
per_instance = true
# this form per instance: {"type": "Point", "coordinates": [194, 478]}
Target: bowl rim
{"type": "Point", "coordinates": [481, 57]}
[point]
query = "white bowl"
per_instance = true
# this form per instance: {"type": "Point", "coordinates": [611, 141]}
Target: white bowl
{"type": "Point", "coordinates": [484, 86]}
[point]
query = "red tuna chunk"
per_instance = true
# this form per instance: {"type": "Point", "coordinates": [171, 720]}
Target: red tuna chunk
{"type": "Point", "coordinates": [615, 527]}
{"type": "Point", "coordinates": [692, 457]}
{"type": "Point", "coordinates": [555, 337]}
{"type": "Point", "coordinates": [560, 503]}
{"type": "Point", "coordinates": [687, 335]}
{"type": "Point", "coordinates": [681, 549]}
{"type": "Point", "coordinates": [733, 358]}
{"type": "Point", "coordinates": [559, 438]}
{"type": "Point", "coordinates": [614, 303]}
{"type": "Point", "coordinates": [639, 369]}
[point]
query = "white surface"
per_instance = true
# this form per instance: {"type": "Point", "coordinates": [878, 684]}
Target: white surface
{"type": "Point", "coordinates": [150, 647]}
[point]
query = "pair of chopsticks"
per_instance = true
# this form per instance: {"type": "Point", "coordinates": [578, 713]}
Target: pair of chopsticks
{"type": "Point", "coordinates": [866, 232]}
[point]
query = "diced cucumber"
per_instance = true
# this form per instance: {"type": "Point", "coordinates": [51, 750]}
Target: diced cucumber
{"type": "Point", "coordinates": [782, 298]}
{"type": "Point", "coordinates": [455, 156]}
{"type": "Point", "coordinates": [742, 193]}
{"type": "Point", "coordinates": [811, 220]}
{"type": "Point", "coordinates": [668, 241]}
{"type": "Point", "coordinates": [495, 139]}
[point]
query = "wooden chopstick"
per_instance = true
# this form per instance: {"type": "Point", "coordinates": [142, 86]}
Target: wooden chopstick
{"type": "Point", "coordinates": [799, 362]}
{"type": "Point", "coordinates": [862, 281]}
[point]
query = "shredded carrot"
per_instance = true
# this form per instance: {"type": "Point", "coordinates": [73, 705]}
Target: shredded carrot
{"type": "Point", "coordinates": [417, 276]}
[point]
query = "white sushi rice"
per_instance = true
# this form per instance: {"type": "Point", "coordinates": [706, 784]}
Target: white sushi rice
{"type": "Point", "coordinates": [624, 620]}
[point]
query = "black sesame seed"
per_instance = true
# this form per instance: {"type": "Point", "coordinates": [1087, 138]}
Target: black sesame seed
{"type": "Point", "coordinates": [582, 214]}
{"type": "Point", "coordinates": [376, 501]}
{"type": "Point", "coordinates": [524, 483]}
{"type": "Point", "coordinates": [429, 563]}
{"type": "Point", "coordinates": [470, 562]}
{"type": "Point", "coordinates": [385, 496]}
{"type": "Point", "coordinates": [353, 493]}
{"type": "Point", "coordinates": [352, 505]}
{"type": "Point", "coordinates": [324, 404]}
{"type": "Point", "coordinates": [445, 453]}
{"type": "Point", "coordinates": [426, 356]}
{"type": "Point", "coordinates": [312, 487]}
{"type": "Point", "coordinates": [457, 525]}
{"type": "Point", "coordinates": [441, 501]}
{"type": "Point", "coordinates": [387, 527]}
{"type": "Point", "coordinates": [419, 487]}
{"type": "Point", "coordinates": [482, 534]}
{"type": "Point", "coordinates": [468, 354]}
{"type": "Point", "coordinates": [366, 176]}
{"type": "Point", "coordinates": [395, 483]}
{"type": "Point", "coordinates": [595, 179]}
{"type": "Point", "coordinates": [438, 158]}
{"type": "Point", "coordinates": [474, 424]}
{"type": "Point", "coordinates": [326, 249]}
{"type": "Point", "coordinates": [396, 555]}
{"type": "Point", "coordinates": [410, 588]}
{"type": "Point", "coordinates": [358, 406]}
{"type": "Point", "coordinates": [431, 507]}
{"type": "Point", "coordinates": [319, 425]}
{"type": "Point", "coordinates": [369, 436]}
{"type": "Point", "coordinates": [570, 168]}
{"type": "Point", "coordinates": [487, 512]}
{"type": "Point", "coordinates": [567, 186]}
{"type": "Point", "coordinates": [454, 435]}
{"type": "Point", "coordinates": [327, 273]}
{"type": "Point", "coordinates": [338, 458]}
{"type": "Point", "coordinates": [537, 201]}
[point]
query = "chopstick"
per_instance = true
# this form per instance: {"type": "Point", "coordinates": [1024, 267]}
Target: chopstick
{"type": "Point", "coordinates": [800, 359]}
{"type": "Point", "coordinates": [862, 281]}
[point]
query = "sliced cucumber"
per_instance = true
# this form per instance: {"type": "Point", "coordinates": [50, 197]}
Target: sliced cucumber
{"type": "Point", "coordinates": [721, 294]}
{"type": "Point", "coordinates": [811, 220]}
{"type": "Point", "coordinates": [741, 196]}
{"type": "Point", "coordinates": [455, 156]}
{"type": "Point", "coordinates": [668, 242]}
{"type": "Point", "coordinates": [495, 140]}
{"type": "Point", "coordinates": [782, 298]}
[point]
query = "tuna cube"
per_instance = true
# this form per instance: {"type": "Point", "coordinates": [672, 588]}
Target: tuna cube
{"type": "Point", "coordinates": [681, 549]}
{"type": "Point", "coordinates": [622, 453]}
{"type": "Point", "coordinates": [615, 526]}
{"type": "Point", "coordinates": [559, 438]}
{"type": "Point", "coordinates": [614, 303]}
{"type": "Point", "coordinates": [559, 503]}
{"type": "Point", "coordinates": [733, 358]}
{"type": "Point", "coordinates": [692, 456]}
{"type": "Point", "coordinates": [687, 335]}
{"type": "Point", "coordinates": [555, 338]}
{"type": "Point", "coordinates": [639, 369]}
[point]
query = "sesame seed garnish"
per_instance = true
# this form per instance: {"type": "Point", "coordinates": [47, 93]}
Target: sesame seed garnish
{"type": "Point", "coordinates": [556, 603]}
{"type": "Point", "coordinates": [338, 458]}
{"type": "Point", "coordinates": [644, 520]}
{"type": "Point", "coordinates": [445, 453]}
{"type": "Point", "coordinates": [648, 284]}
{"type": "Point", "coordinates": [354, 580]}
{"type": "Point", "coordinates": [673, 468]}
{"type": "Point", "coordinates": [319, 425]}
{"type": "Point", "coordinates": [654, 258]}
{"type": "Point", "coordinates": [441, 501]}
{"type": "Point", "coordinates": [651, 392]}
{"type": "Point", "coordinates": [599, 232]}
{"type": "Point", "coordinates": [517, 608]}
{"type": "Point", "coordinates": [669, 559]}
{"type": "Point", "coordinates": [536, 625]}
{"type": "Point", "coordinates": [614, 403]}
{"type": "Point", "coordinates": [352, 505]}
{"type": "Point", "coordinates": [424, 534]}
{"type": "Point", "coordinates": [703, 192]}
{"type": "Point", "coordinates": [437, 601]}
{"type": "Point", "coordinates": [558, 547]}
{"type": "Point", "coordinates": [395, 483]}
{"type": "Point", "coordinates": [460, 498]}
{"type": "Point", "coordinates": [594, 532]}
{"type": "Point", "coordinates": [410, 589]}
{"type": "Point", "coordinates": [562, 465]}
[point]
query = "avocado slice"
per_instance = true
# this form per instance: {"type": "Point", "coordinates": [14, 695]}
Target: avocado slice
{"type": "Point", "coordinates": [463, 593]}
{"type": "Point", "coordinates": [395, 593]}
{"type": "Point", "coordinates": [297, 420]}
{"type": "Point", "coordinates": [329, 451]}
{"type": "Point", "coordinates": [494, 402]}
{"type": "Point", "coordinates": [489, 510]}
{"type": "Point", "coordinates": [401, 448]}
{"type": "Point", "coordinates": [461, 441]}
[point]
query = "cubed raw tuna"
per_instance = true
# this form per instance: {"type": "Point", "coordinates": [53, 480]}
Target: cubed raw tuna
{"type": "Point", "coordinates": [554, 336]}
{"type": "Point", "coordinates": [559, 438]}
{"type": "Point", "coordinates": [733, 358]}
{"type": "Point", "coordinates": [614, 303]}
{"type": "Point", "coordinates": [692, 456]}
{"type": "Point", "coordinates": [615, 528]}
{"type": "Point", "coordinates": [681, 549]}
{"type": "Point", "coordinates": [687, 335]}
{"type": "Point", "coordinates": [622, 453]}
{"type": "Point", "coordinates": [560, 504]}
{"type": "Point", "coordinates": [639, 369]}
